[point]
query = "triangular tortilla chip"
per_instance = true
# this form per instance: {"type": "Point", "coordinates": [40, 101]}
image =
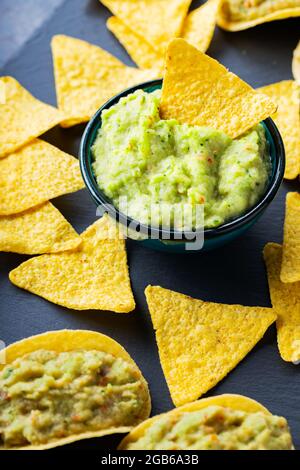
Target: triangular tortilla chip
{"type": "Point", "coordinates": [158, 21]}
{"type": "Point", "coordinates": [285, 299]}
{"type": "Point", "coordinates": [95, 276]}
{"type": "Point", "coordinates": [198, 90]}
{"type": "Point", "coordinates": [296, 63]}
{"type": "Point", "coordinates": [200, 342]}
{"type": "Point", "coordinates": [86, 77]}
{"type": "Point", "coordinates": [42, 229]}
{"type": "Point", "coordinates": [35, 174]}
{"type": "Point", "coordinates": [22, 117]}
{"type": "Point", "coordinates": [199, 26]}
{"type": "Point", "coordinates": [287, 96]}
{"type": "Point", "coordinates": [141, 52]}
{"type": "Point", "coordinates": [290, 268]}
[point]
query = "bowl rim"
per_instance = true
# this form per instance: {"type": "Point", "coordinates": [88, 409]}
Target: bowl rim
{"type": "Point", "coordinates": [170, 234]}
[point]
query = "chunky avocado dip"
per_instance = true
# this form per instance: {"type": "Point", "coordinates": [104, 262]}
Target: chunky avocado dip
{"type": "Point", "coordinates": [216, 428]}
{"type": "Point", "coordinates": [47, 395]}
{"type": "Point", "coordinates": [164, 166]}
{"type": "Point", "coordinates": [244, 10]}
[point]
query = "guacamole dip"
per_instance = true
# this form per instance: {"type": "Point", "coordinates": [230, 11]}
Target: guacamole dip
{"type": "Point", "coordinates": [216, 428]}
{"type": "Point", "coordinates": [47, 395]}
{"type": "Point", "coordinates": [157, 166]}
{"type": "Point", "coordinates": [244, 10]}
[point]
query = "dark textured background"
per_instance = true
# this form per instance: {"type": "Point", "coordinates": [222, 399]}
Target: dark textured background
{"type": "Point", "coordinates": [233, 274]}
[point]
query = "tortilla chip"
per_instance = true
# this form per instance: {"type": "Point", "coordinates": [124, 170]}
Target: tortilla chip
{"type": "Point", "coordinates": [72, 340]}
{"type": "Point", "coordinates": [198, 90]}
{"type": "Point", "coordinates": [93, 277]}
{"type": "Point", "coordinates": [141, 52]}
{"type": "Point", "coordinates": [199, 26]}
{"type": "Point", "coordinates": [296, 63]}
{"type": "Point", "coordinates": [22, 117]}
{"type": "Point", "coordinates": [290, 268]}
{"type": "Point", "coordinates": [86, 77]}
{"type": "Point", "coordinates": [234, 402]}
{"type": "Point", "coordinates": [35, 174]}
{"type": "Point", "coordinates": [225, 22]}
{"type": "Point", "coordinates": [157, 21]}
{"type": "Point", "coordinates": [285, 299]}
{"type": "Point", "coordinates": [42, 229]}
{"type": "Point", "coordinates": [287, 95]}
{"type": "Point", "coordinates": [200, 342]}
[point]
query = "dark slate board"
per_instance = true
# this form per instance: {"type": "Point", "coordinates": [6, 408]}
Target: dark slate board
{"type": "Point", "coordinates": [233, 274]}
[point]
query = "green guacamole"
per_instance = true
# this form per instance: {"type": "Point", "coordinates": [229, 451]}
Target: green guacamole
{"type": "Point", "coordinates": [247, 10]}
{"type": "Point", "coordinates": [164, 166]}
{"type": "Point", "coordinates": [216, 428]}
{"type": "Point", "coordinates": [45, 396]}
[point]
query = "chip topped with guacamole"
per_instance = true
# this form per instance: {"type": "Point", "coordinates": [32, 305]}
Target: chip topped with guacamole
{"type": "Point", "coordinates": [63, 386]}
{"type": "Point", "coordinates": [242, 14]}
{"type": "Point", "coordinates": [222, 422]}
{"type": "Point", "coordinates": [158, 166]}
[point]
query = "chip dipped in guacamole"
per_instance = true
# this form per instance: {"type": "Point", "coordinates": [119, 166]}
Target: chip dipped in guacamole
{"type": "Point", "coordinates": [158, 166]}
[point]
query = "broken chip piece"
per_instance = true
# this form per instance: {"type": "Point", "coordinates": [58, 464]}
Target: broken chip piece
{"type": "Point", "coordinates": [95, 276]}
{"type": "Point", "coordinates": [199, 343]}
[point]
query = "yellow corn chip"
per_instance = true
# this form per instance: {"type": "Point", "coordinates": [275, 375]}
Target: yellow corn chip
{"type": "Point", "coordinates": [285, 299]}
{"type": "Point", "coordinates": [42, 229]}
{"type": "Point", "coordinates": [198, 29]}
{"type": "Point", "coordinates": [95, 276]}
{"type": "Point", "coordinates": [198, 90]}
{"type": "Point", "coordinates": [199, 26]}
{"type": "Point", "coordinates": [22, 117]}
{"type": "Point", "coordinates": [290, 268]}
{"type": "Point", "coordinates": [141, 52]}
{"type": "Point", "coordinates": [200, 342]}
{"type": "Point", "coordinates": [86, 77]}
{"type": "Point", "coordinates": [296, 63]}
{"type": "Point", "coordinates": [158, 21]}
{"type": "Point", "coordinates": [287, 95]}
{"type": "Point", "coordinates": [277, 12]}
{"type": "Point", "coordinates": [35, 174]}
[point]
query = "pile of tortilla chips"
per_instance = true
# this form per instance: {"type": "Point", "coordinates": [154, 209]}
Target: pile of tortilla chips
{"type": "Point", "coordinates": [86, 272]}
{"type": "Point", "coordinates": [32, 172]}
{"type": "Point", "coordinates": [146, 41]}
